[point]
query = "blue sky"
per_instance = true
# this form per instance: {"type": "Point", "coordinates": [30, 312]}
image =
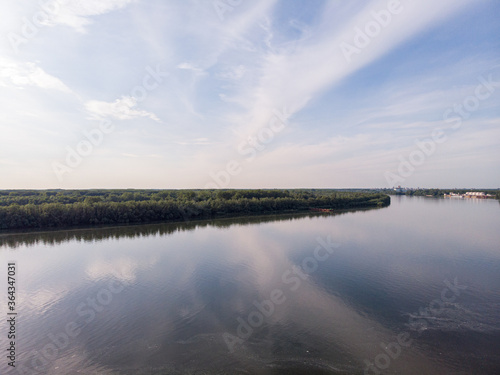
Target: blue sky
{"type": "Point", "coordinates": [249, 94]}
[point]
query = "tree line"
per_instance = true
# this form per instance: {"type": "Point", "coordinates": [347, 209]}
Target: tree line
{"type": "Point", "coordinates": [30, 209]}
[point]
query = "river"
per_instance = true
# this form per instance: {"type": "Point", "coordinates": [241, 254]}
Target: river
{"type": "Point", "coordinates": [413, 288]}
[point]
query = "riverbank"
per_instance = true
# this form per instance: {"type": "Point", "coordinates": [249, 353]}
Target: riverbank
{"type": "Point", "coordinates": [20, 210]}
{"type": "Point", "coordinates": [447, 193]}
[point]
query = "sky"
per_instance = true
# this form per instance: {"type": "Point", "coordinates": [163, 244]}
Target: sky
{"type": "Point", "coordinates": [178, 94]}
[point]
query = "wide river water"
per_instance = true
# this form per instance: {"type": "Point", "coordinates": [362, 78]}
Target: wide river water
{"type": "Point", "coordinates": [413, 288]}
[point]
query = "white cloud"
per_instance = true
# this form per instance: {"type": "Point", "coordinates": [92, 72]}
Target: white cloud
{"type": "Point", "coordinates": [234, 73]}
{"type": "Point", "coordinates": [76, 13]}
{"type": "Point", "coordinates": [226, 78]}
{"type": "Point", "coordinates": [129, 155]}
{"type": "Point", "coordinates": [295, 75]}
{"type": "Point", "coordinates": [22, 75]}
{"type": "Point", "coordinates": [120, 109]}
{"type": "Point", "coordinates": [191, 67]}
{"type": "Point", "coordinates": [196, 141]}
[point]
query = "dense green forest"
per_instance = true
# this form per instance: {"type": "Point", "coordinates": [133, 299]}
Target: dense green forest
{"type": "Point", "coordinates": [30, 209]}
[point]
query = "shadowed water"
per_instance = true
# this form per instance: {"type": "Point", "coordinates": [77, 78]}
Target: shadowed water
{"type": "Point", "coordinates": [291, 294]}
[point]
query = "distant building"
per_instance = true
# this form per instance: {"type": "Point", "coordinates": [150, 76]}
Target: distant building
{"type": "Point", "coordinates": [453, 195]}
{"type": "Point", "coordinates": [477, 194]}
{"type": "Point", "coordinates": [470, 194]}
{"type": "Point", "coordinates": [399, 190]}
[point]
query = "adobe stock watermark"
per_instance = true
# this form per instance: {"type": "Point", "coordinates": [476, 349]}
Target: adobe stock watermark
{"type": "Point", "coordinates": [266, 308]}
{"type": "Point", "coordinates": [223, 6]}
{"type": "Point", "coordinates": [31, 26]}
{"type": "Point", "coordinates": [95, 137]}
{"type": "Point", "coordinates": [86, 311]}
{"type": "Point", "coordinates": [249, 149]}
{"type": "Point", "coordinates": [364, 36]}
{"type": "Point", "coordinates": [455, 116]}
{"type": "Point", "coordinates": [391, 351]}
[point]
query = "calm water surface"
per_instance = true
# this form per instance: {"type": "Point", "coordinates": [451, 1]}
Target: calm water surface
{"type": "Point", "coordinates": [413, 288]}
